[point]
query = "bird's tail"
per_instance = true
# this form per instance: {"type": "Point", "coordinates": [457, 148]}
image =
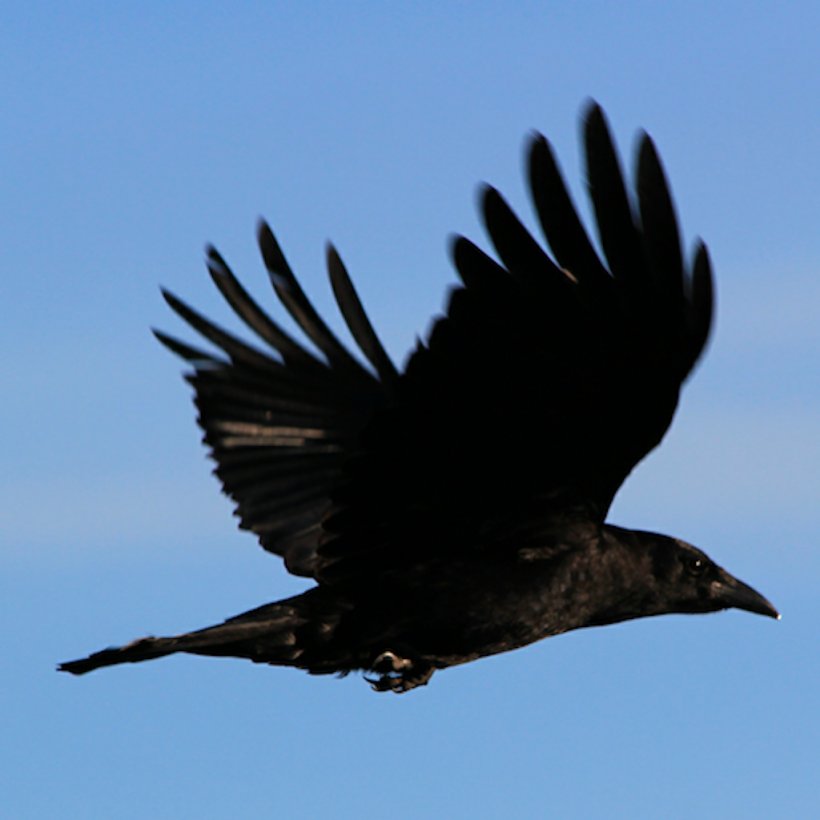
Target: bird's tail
{"type": "Point", "coordinates": [281, 633]}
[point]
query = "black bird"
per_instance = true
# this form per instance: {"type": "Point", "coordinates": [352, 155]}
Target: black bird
{"type": "Point", "coordinates": [457, 509]}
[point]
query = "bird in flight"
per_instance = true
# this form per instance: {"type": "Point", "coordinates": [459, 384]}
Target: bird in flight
{"type": "Point", "coordinates": [457, 508]}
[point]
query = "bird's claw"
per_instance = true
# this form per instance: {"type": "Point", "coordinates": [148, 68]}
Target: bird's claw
{"type": "Point", "coordinates": [398, 674]}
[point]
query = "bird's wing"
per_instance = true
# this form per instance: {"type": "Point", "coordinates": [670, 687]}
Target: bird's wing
{"type": "Point", "coordinates": [536, 394]}
{"type": "Point", "coordinates": [281, 427]}
{"type": "Point", "coordinates": [549, 378]}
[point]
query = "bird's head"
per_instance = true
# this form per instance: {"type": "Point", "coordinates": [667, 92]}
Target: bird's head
{"type": "Point", "coordinates": [687, 580]}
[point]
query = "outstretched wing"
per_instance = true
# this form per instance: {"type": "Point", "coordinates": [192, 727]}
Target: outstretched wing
{"type": "Point", "coordinates": [280, 428]}
{"type": "Point", "coordinates": [549, 378]}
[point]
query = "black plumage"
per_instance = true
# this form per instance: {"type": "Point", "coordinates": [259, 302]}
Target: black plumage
{"type": "Point", "coordinates": [457, 509]}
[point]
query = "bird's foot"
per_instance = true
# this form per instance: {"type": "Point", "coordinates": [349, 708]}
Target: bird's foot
{"type": "Point", "coordinates": [398, 674]}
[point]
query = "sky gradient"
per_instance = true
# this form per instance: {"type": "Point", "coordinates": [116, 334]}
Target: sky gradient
{"type": "Point", "coordinates": [132, 135]}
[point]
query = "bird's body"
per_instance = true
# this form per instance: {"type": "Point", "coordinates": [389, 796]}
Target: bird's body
{"type": "Point", "coordinates": [457, 509]}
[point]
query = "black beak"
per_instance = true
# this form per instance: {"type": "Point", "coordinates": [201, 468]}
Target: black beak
{"type": "Point", "coordinates": [733, 593]}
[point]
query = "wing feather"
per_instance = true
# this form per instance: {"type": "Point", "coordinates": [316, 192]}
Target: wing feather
{"type": "Point", "coordinates": [253, 316]}
{"type": "Point", "coordinates": [282, 428]}
{"type": "Point", "coordinates": [292, 296]}
{"type": "Point", "coordinates": [548, 379]}
{"type": "Point", "coordinates": [559, 221]}
{"type": "Point", "coordinates": [620, 237]}
{"type": "Point", "coordinates": [356, 318]}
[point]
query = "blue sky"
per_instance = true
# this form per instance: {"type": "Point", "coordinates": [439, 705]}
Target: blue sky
{"type": "Point", "coordinates": [132, 134]}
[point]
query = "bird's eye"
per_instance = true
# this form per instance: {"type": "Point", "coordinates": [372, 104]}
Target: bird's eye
{"type": "Point", "coordinates": [695, 565]}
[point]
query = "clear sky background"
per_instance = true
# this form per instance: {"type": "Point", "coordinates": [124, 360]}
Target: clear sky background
{"type": "Point", "coordinates": [131, 134]}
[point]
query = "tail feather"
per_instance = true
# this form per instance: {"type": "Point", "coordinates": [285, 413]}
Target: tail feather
{"type": "Point", "coordinates": [143, 649]}
{"type": "Point", "coordinates": [264, 635]}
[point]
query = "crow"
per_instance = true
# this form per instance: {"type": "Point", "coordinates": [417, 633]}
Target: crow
{"type": "Point", "coordinates": [457, 509]}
